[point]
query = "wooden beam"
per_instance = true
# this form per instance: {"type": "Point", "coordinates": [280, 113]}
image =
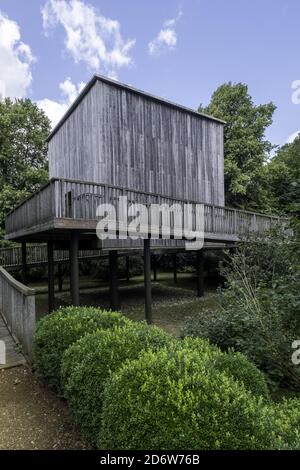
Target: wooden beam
{"type": "Point", "coordinates": [200, 273]}
{"type": "Point", "coordinates": [175, 267]}
{"type": "Point", "coordinates": [74, 268]}
{"type": "Point", "coordinates": [24, 263]}
{"type": "Point", "coordinates": [51, 294]}
{"type": "Point", "coordinates": [147, 281]}
{"type": "Point", "coordinates": [154, 267]}
{"type": "Point", "coordinates": [60, 277]}
{"type": "Point", "coordinates": [127, 270]}
{"type": "Point", "coordinates": [113, 278]}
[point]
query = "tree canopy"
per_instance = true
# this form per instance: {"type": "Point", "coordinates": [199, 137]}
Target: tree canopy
{"type": "Point", "coordinates": [246, 148]}
{"type": "Point", "coordinates": [284, 178]}
{"type": "Point", "coordinates": [23, 152]}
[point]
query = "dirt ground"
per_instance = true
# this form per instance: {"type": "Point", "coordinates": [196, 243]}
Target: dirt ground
{"type": "Point", "coordinates": [172, 304]}
{"type": "Point", "coordinates": [31, 417]}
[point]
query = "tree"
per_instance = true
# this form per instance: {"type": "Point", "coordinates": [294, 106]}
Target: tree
{"type": "Point", "coordinates": [246, 149]}
{"type": "Point", "coordinates": [23, 153]}
{"type": "Point", "coordinates": [283, 172]}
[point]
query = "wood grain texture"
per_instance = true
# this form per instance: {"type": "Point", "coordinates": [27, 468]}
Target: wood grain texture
{"type": "Point", "coordinates": [120, 137]}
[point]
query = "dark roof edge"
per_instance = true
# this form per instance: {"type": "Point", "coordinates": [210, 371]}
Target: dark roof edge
{"type": "Point", "coordinates": [118, 84]}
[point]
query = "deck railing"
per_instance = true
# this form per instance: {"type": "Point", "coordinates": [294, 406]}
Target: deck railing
{"type": "Point", "coordinates": [36, 255]}
{"type": "Point", "coordinates": [17, 305]}
{"type": "Point", "coordinates": [77, 200]}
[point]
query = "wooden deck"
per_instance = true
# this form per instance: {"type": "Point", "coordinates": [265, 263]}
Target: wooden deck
{"type": "Point", "coordinates": [64, 205]}
{"type": "Point", "coordinates": [13, 355]}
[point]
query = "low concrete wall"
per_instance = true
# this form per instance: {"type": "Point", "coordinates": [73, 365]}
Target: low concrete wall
{"type": "Point", "coordinates": [17, 305]}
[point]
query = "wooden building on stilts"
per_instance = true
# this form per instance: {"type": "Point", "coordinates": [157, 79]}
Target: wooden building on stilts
{"type": "Point", "coordinates": [116, 141]}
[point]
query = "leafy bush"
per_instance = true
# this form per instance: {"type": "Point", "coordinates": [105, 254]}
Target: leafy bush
{"type": "Point", "coordinates": [242, 370]}
{"type": "Point", "coordinates": [172, 400]}
{"type": "Point", "coordinates": [259, 311]}
{"type": "Point", "coordinates": [87, 364]}
{"type": "Point", "coordinates": [56, 332]}
{"type": "Point", "coordinates": [287, 421]}
{"type": "Point", "coordinates": [235, 365]}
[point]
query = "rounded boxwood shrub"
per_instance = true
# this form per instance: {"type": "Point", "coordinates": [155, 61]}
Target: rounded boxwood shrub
{"type": "Point", "coordinates": [287, 421]}
{"type": "Point", "coordinates": [172, 400]}
{"type": "Point", "coordinates": [202, 346]}
{"type": "Point", "coordinates": [241, 369]}
{"type": "Point", "coordinates": [88, 363]}
{"type": "Point", "coordinates": [57, 331]}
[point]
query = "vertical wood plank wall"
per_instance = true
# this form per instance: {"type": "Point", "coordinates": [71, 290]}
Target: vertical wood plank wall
{"type": "Point", "coordinates": [117, 136]}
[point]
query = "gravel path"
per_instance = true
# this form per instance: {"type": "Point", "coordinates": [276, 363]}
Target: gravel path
{"type": "Point", "coordinates": [31, 417]}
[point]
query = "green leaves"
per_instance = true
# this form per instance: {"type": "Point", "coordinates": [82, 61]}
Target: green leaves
{"type": "Point", "coordinates": [173, 400]}
{"type": "Point", "coordinates": [284, 178]}
{"type": "Point", "coordinates": [245, 147]}
{"type": "Point", "coordinates": [260, 306]}
{"type": "Point", "coordinates": [23, 152]}
{"type": "Point", "coordinates": [56, 332]}
{"type": "Point", "coordinates": [89, 362]}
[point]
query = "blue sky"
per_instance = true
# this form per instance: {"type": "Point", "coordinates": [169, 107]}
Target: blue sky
{"type": "Point", "coordinates": [180, 50]}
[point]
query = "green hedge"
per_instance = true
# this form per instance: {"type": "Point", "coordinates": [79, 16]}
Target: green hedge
{"type": "Point", "coordinates": [88, 363]}
{"type": "Point", "coordinates": [172, 400]}
{"type": "Point", "coordinates": [242, 370]}
{"type": "Point", "coordinates": [233, 364]}
{"type": "Point", "coordinates": [56, 332]}
{"type": "Point", "coordinates": [287, 421]}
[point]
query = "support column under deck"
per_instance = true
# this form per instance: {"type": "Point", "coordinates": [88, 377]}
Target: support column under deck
{"type": "Point", "coordinates": [24, 264]}
{"type": "Point", "coordinates": [200, 272]}
{"type": "Point", "coordinates": [113, 279]}
{"type": "Point", "coordinates": [175, 267]}
{"type": "Point", "coordinates": [74, 268]}
{"type": "Point", "coordinates": [154, 267]}
{"type": "Point", "coordinates": [60, 277]}
{"type": "Point", "coordinates": [127, 270]}
{"type": "Point", "coordinates": [51, 285]}
{"type": "Point", "coordinates": [147, 281]}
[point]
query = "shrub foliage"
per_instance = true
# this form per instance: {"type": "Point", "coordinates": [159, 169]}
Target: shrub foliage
{"type": "Point", "coordinates": [89, 362]}
{"type": "Point", "coordinates": [172, 400]}
{"type": "Point", "coordinates": [57, 331]}
{"type": "Point", "coordinates": [259, 309]}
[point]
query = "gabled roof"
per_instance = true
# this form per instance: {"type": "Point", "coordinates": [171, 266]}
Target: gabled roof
{"type": "Point", "coordinates": [136, 91]}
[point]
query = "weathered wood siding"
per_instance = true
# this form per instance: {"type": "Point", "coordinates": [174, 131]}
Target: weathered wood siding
{"type": "Point", "coordinates": [117, 136]}
{"type": "Point", "coordinates": [17, 305]}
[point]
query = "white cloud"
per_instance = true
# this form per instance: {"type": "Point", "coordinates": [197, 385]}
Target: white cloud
{"type": "Point", "coordinates": [293, 136]}
{"type": "Point", "coordinates": [113, 75]}
{"type": "Point", "coordinates": [90, 37]}
{"type": "Point", "coordinates": [56, 109]}
{"type": "Point", "coordinates": [166, 39]}
{"type": "Point", "coordinates": [15, 60]}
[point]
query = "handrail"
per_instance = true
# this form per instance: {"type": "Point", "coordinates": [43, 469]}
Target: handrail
{"type": "Point", "coordinates": [41, 188]}
{"type": "Point", "coordinates": [16, 284]}
{"type": "Point", "coordinates": [36, 254]}
{"type": "Point", "coordinates": [17, 305]}
{"type": "Point", "coordinates": [59, 199]}
{"type": "Point", "coordinates": [137, 191]}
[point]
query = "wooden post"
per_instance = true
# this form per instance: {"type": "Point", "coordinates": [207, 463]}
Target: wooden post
{"type": "Point", "coordinates": [127, 270]}
{"type": "Point", "coordinates": [74, 268]}
{"type": "Point", "coordinates": [175, 267]}
{"type": "Point", "coordinates": [60, 277]}
{"type": "Point", "coordinates": [147, 280]}
{"type": "Point", "coordinates": [113, 278]}
{"type": "Point", "coordinates": [154, 267]}
{"type": "Point", "coordinates": [24, 264]}
{"type": "Point", "coordinates": [200, 273]}
{"type": "Point", "coordinates": [51, 294]}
